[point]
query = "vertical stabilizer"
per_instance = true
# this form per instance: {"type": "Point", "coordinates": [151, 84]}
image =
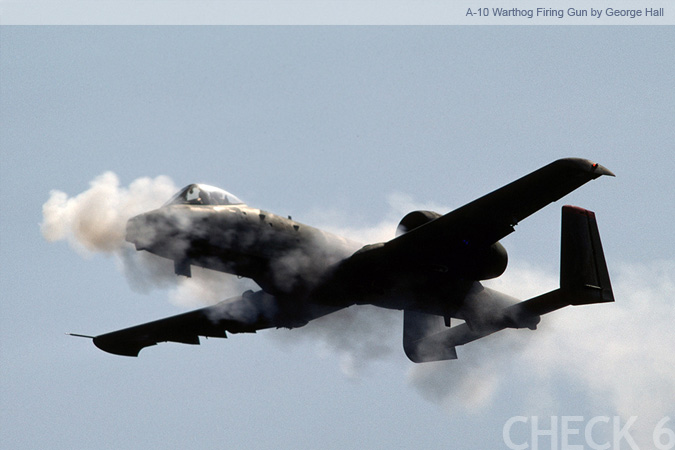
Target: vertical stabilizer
{"type": "Point", "coordinates": [583, 271]}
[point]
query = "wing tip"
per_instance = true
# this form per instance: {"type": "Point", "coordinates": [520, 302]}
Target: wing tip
{"type": "Point", "coordinates": [120, 348]}
{"type": "Point", "coordinates": [587, 165]}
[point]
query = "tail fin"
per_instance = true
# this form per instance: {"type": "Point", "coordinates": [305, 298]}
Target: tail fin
{"type": "Point", "coordinates": [583, 271]}
{"type": "Point", "coordinates": [584, 278]}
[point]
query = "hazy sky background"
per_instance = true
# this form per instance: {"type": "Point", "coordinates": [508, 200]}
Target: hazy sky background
{"type": "Point", "coordinates": [346, 128]}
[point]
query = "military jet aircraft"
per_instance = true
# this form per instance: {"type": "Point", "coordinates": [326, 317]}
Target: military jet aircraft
{"type": "Point", "coordinates": [432, 270]}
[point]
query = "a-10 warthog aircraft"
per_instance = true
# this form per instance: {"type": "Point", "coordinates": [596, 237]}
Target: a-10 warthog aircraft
{"type": "Point", "coordinates": [431, 270]}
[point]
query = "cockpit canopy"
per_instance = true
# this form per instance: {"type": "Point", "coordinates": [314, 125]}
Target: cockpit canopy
{"type": "Point", "coordinates": [203, 194]}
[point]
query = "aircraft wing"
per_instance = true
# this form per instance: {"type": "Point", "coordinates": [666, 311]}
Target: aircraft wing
{"type": "Point", "coordinates": [493, 216]}
{"type": "Point", "coordinates": [470, 228]}
{"type": "Point", "coordinates": [245, 314]}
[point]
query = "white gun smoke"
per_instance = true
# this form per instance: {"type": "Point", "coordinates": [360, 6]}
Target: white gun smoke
{"type": "Point", "coordinates": [622, 353]}
{"type": "Point", "coordinates": [94, 221]}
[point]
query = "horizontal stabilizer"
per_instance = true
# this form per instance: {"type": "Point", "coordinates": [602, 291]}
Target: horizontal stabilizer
{"type": "Point", "coordinates": [423, 338]}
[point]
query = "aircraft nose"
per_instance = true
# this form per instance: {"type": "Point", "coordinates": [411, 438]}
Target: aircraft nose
{"type": "Point", "coordinates": [147, 230]}
{"type": "Point", "coordinates": [139, 233]}
{"type": "Point", "coordinates": [159, 232]}
{"type": "Point", "coordinates": [167, 233]}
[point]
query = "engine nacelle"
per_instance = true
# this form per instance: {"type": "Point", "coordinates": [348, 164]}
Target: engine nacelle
{"type": "Point", "coordinates": [414, 220]}
{"type": "Point", "coordinates": [468, 262]}
{"type": "Point", "coordinates": [486, 263]}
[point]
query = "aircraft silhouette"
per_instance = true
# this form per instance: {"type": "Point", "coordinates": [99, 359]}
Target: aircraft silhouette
{"type": "Point", "coordinates": [431, 270]}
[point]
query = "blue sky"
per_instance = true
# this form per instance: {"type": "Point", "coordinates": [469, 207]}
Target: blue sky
{"type": "Point", "coordinates": [346, 128]}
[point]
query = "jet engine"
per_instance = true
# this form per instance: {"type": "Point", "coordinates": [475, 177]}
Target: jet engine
{"type": "Point", "coordinates": [484, 263]}
{"type": "Point", "coordinates": [463, 258]}
{"type": "Point", "coordinates": [414, 220]}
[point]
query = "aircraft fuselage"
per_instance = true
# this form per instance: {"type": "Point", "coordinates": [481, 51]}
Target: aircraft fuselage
{"type": "Point", "coordinates": [283, 256]}
{"type": "Point", "coordinates": [299, 264]}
